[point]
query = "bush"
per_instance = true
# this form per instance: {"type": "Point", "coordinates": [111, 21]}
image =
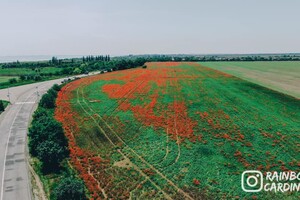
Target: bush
{"type": "Point", "coordinates": [69, 189]}
{"type": "Point", "coordinates": [22, 77]}
{"type": "Point", "coordinates": [37, 78]}
{"type": "Point", "coordinates": [45, 128]}
{"type": "Point", "coordinates": [12, 80]}
{"type": "Point", "coordinates": [1, 106]}
{"type": "Point", "coordinates": [50, 153]}
{"type": "Point", "coordinates": [56, 87]}
{"type": "Point", "coordinates": [52, 92]}
{"type": "Point", "coordinates": [39, 113]}
{"type": "Point", "coordinates": [47, 101]}
{"type": "Point", "coordinates": [47, 140]}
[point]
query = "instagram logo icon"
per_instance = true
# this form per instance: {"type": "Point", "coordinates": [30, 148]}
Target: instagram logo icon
{"type": "Point", "coordinates": [252, 181]}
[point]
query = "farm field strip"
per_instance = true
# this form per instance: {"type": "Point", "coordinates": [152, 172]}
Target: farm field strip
{"type": "Point", "coordinates": [4, 79]}
{"type": "Point", "coordinates": [176, 130]}
{"type": "Point", "coordinates": [26, 71]}
{"type": "Point", "coordinates": [280, 76]}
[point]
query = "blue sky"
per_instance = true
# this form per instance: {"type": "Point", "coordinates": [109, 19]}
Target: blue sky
{"type": "Point", "coordinates": [81, 27]}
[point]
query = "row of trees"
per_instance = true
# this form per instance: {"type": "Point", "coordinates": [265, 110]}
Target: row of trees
{"type": "Point", "coordinates": [203, 58]}
{"type": "Point", "coordinates": [2, 108]}
{"type": "Point", "coordinates": [75, 62]}
{"type": "Point", "coordinates": [48, 143]}
{"type": "Point", "coordinates": [105, 63]}
{"type": "Point", "coordinates": [105, 58]}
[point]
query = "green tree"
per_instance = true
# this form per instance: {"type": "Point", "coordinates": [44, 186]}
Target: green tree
{"type": "Point", "coordinates": [48, 101]}
{"type": "Point", "coordinates": [45, 128]}
{"type": "Point", "coordinates": [50, 154]}
{"type": "Point", "coordinates": [22, 77]}
{"type": "Point", "coordinates": [56, 87]}
{"type": "Point", "coordinates": [1, 106]}
{"type": "Point", "coordinates": [70, 189]}
{"type": "Point", "coordinates": [77, 71]}
{"type": "Point", "coordinates": [12, 80]}
{"type": "Point", "coordinates": [52, 92]}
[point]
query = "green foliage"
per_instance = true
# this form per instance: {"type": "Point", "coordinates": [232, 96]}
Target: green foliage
{"type": "Point", "coordinates": [37, 78]}
{"type": "Point", "coordinates": [69, 189]}
{"type": "Point", "coordinates": [52, 92]}
{"type": "Point", "coordinates": [47, 141]}
{"type": "Point", "coordinates": [45, 128]}
{"type": "Point", "coordinates": [48, 101]}
{"type": "Point", "coordinates": [50, 153]}
{"type": "Point", "coordinates": [1, 106]}
{"type": "Point", "coordinates": [77, 71]}
{"type": "Point", "coordinates": [56, 87]}
{"type": "Point", "coordinates": [12, 80]}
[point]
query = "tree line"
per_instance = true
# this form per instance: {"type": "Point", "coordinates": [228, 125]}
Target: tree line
{"type": "Point", "coordinates": [106, 63]}
{"type": "Point", "coordinates": [49, 145]}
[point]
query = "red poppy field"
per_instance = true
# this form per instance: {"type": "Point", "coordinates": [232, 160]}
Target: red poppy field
{"type": "Point", "coordinates": [176, 131]}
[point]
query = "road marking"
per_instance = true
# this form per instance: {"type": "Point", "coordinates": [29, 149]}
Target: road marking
{"type": "Point", "coordinates": [26, 102]}
{"type": "Point", "coordinates": [6, 149]}
{"type": "Point", "coordinates": [3, 173]}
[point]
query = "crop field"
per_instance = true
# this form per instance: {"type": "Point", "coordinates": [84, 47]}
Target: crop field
{"type": "Point", "coordinates": [176, 131]}
{"type": "Point", "coordinates": [282, 76]}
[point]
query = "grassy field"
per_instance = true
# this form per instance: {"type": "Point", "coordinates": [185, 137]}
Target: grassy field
{"type": "Point", "coordinates": [26, 71]}
{"type": "Point", "coordinates": [4, 79]}
{"type": "Point", "coordinates": [9, 73]}
{"type": "Point", "coordinates": [281, 76]}
{"type": "Point", "coordinates": [177, 131]}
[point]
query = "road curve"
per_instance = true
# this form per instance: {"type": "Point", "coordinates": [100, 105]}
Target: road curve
{"type": "Point", "coordinates": [14, 174]}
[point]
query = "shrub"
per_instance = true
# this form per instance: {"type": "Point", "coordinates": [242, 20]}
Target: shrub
{"type": "Point", "coordinates": [1, 106]}
{"type": "Point", "coordinates": [22, 77]}
{"type": "Point", "coordinates": [37, 78]}
{"type": "Point", "coordinates": [52, 92]}
{"type": "Point", "coordinates": [69, 189]}
{"type": "Point", "coordinates": [56, 87]}
{"type": "Point", "coordinates": [47, 101]}
{"type": "Point", "coordinates": [45, 128]}
{"type": "Point", "coordinates": [12, 80]}
{"type": "Point", "coordinates": [50, 153]}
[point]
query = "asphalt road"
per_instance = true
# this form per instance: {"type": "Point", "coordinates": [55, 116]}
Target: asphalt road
{"type": "Point", "coordinates": [14, 174]}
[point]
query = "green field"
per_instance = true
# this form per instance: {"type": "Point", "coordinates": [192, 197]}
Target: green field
{"type": "Point", "coordinates": [26, 71]}
{"type": "Point", "coordinates": [4, 79]}
{"type": "Point", "coordinates": [10, 73]}
{"type": "Point", "coordinates": [283, 76]}
{"type": "Point", "coordinates": [177, 131]}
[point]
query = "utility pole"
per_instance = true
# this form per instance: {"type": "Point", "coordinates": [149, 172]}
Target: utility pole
{"type": "Point", "coordinates": [37, 92]}
{"type": "Point", "coordinates": [8, 94]}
